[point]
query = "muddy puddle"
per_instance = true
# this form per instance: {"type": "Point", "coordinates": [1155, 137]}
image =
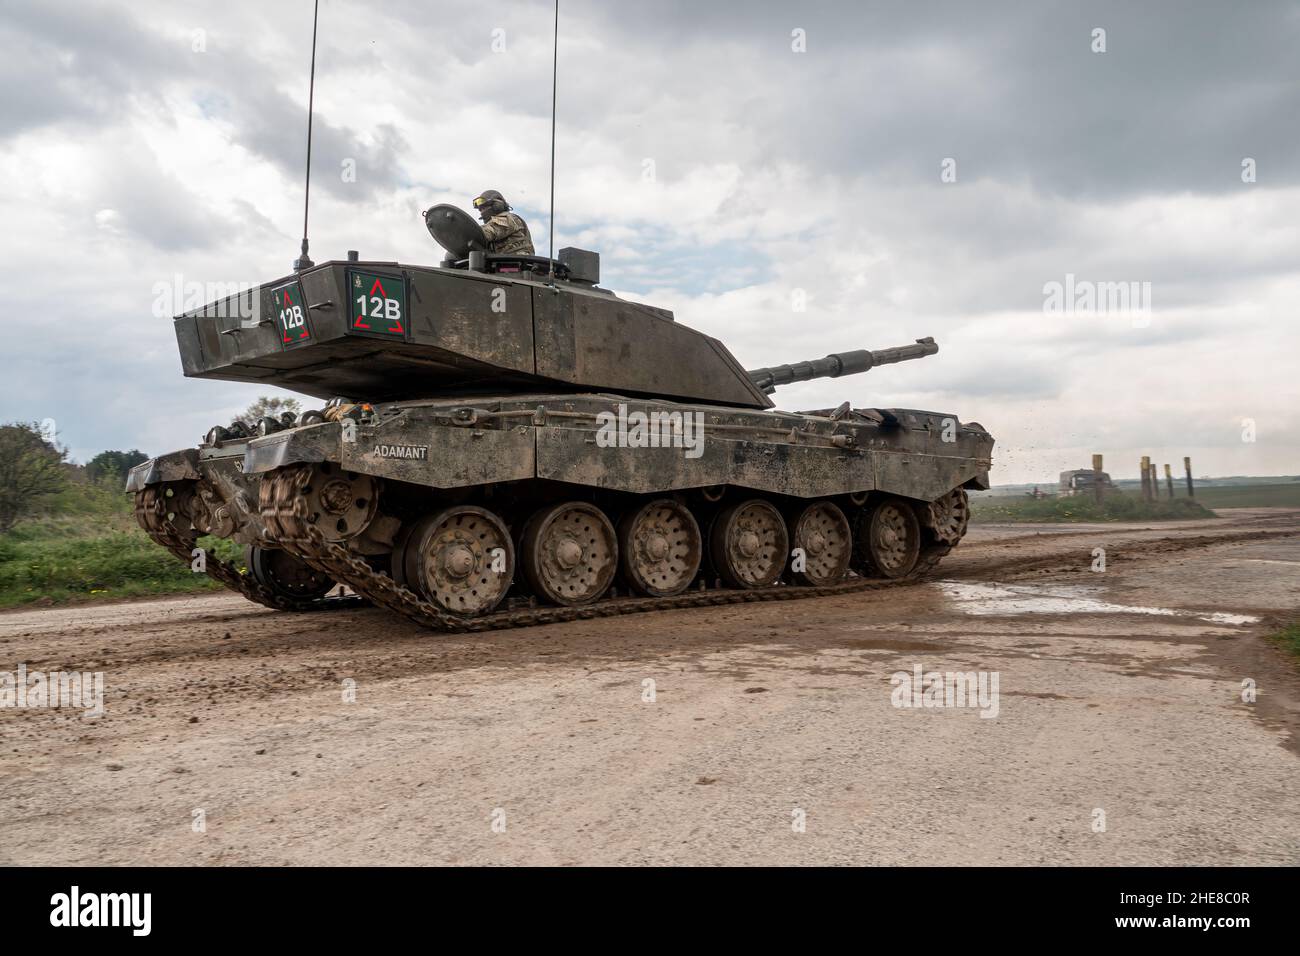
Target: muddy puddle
{"type": "Point", "coordinates": [1013, 599]}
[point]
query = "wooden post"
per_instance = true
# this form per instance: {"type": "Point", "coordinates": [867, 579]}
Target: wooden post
{"type": "Point", "coordinates": [1096, 478]}
{"type": "Point", "coordinates": [1169, 480]}
{"type": "Point", "coordinates": [1187, 467]}
{"type": "Point", "coordinates": [1146, 477]}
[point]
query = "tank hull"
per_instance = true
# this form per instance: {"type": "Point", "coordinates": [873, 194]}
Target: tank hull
{"type": "Point", "coordinates": [514, 458]}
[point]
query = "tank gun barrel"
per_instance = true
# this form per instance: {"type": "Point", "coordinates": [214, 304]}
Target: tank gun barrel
{"type": "Point", "coordinates": [839, 363]}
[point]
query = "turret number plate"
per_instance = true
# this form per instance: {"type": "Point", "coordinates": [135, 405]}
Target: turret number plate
{"type": "Point", "coordinates": [289, 311]}
{"type": "Point", "coordinates": [377, 304]}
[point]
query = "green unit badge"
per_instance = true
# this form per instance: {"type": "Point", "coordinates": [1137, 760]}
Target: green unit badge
{"type": "Point", "coordinates": [290, 311]}
{"type": "Point", "coordinates": [377, 304]}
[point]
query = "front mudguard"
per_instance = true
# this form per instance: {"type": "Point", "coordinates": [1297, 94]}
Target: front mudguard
{"type": "Point", "coordinates": [175, 466]}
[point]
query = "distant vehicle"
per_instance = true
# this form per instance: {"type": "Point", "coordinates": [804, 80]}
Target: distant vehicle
{"type": "Point", "coordinates": [1083, 480]}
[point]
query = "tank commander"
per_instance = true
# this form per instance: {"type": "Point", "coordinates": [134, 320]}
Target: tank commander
{"type": "Point", "coordinates": [506, 232]}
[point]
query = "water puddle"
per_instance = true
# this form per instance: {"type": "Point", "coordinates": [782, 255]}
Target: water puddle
{"type": "Point", "coordinates": [1004, 599]}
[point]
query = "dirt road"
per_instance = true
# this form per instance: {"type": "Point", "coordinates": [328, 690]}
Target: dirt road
{"type": "Point", "coordinates": [761, 733]}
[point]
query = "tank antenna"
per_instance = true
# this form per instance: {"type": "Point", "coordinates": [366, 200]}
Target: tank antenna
{"type": "Point", "coordinates": [304, 261]}
{"type": "Point", "coordinates": [555, 69]}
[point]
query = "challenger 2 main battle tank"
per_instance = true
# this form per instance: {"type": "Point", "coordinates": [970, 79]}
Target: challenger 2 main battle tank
{"type": "Point", "coordinates": [505, 443]}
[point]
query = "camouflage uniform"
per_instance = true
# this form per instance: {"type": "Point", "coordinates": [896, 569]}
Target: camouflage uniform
{"type": "Point", "coordinates": [508, 234]}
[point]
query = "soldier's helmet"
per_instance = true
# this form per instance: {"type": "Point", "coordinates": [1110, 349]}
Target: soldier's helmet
{"type": "Point", "coordinates": [490, 203]}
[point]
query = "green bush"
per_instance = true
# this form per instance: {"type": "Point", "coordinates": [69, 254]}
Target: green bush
{"type": "Point", "coordinates": [87, 544]}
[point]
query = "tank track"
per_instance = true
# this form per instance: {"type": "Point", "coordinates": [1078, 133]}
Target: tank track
{"type": "Point", "coordinates": [285, 515]}
{"type": "Point", "coordinates": [931, 555]}
{"type": "Point", "coordinates": [153, 515]}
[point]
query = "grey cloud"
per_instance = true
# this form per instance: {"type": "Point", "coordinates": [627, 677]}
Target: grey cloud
{"type": "Point", "coordinates": [89, 64]}
{"type": "Point", "coordinates": [1011, 90]}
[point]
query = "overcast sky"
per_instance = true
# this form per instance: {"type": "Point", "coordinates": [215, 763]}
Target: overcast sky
{"type": "Point", "coordinates": [902, 169]}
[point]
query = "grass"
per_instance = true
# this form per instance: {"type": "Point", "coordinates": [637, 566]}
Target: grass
{"type": "Point", "coordinates": [89, 548]}
{"type": "Point", "coordinates": [1289, 639]}
{"type": "Point", "coordinates": [1124, 506]}
{"type": "Point", "coordinates": [1116, 507]}
{"type": "Point", "coordinates": [1251, 496]}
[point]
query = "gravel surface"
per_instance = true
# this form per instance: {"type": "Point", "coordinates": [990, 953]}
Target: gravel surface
{"type": "Point", "coordinates": [760, 733]}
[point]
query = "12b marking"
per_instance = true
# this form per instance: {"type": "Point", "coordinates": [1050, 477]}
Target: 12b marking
{"type": "Point", "coordinates": [291, 318]}
{"type": "Point", "coordinates": [388, 310]}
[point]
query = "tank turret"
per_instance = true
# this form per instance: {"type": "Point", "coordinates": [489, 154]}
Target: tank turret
{"type": "Point", "coordinates": [486, 323]}
{"type": "Point", "coordinates": [838, 363]}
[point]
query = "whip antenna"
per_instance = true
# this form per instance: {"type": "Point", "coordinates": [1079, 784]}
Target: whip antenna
{"type": "Point", "coordinates": [304, 261]}
{"type": "Point", "coordinates": [555, 64]}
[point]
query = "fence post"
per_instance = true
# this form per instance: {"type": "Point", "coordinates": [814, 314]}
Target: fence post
{"type": "Point", "coordinates": [1169, 481]}
{"type": "Point", "coordinates": [1096, 478]}
{"type": "Point", "coordinates": [1187, 466]}
{"type": "Point", "coordinates": [1146, 477]}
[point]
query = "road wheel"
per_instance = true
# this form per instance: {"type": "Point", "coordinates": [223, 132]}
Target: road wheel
{"type": "Point", "coordinates": [461, 559]}
{"type": "Point", "coordinates": [569, 553]}
{"type": "Point", "coordinates": [660, 548]}
{"type": "Point", "coordinates": [282, 573]}
{"type": "Point", "coordinates": [887, 539]}
{"type": "Point", "coordinates": [822, 531]}
{"type": "Point", "coordinates": [748, 544]}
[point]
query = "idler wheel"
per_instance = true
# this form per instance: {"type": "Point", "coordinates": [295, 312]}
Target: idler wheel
{"type": "Point", "coordinates": [822, 531]}
{"type": "Point", "coordinates": [660, 547]}
{"type": "Point", "coordinates": [748, 544]}
{"type": "Point", "coordinates": [284, 574]}
{"type": "Point", "coordinates": [887, 539]}
{"type": "Point", "coordinates": [569, 553]}
{"type": "Point", "coordinates": [452, 558]}
{"type": "Point", "coordinates": [949, 516]}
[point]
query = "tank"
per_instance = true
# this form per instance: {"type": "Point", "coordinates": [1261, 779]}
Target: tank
{"type": "Point", "coordinates": [507, 443]}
